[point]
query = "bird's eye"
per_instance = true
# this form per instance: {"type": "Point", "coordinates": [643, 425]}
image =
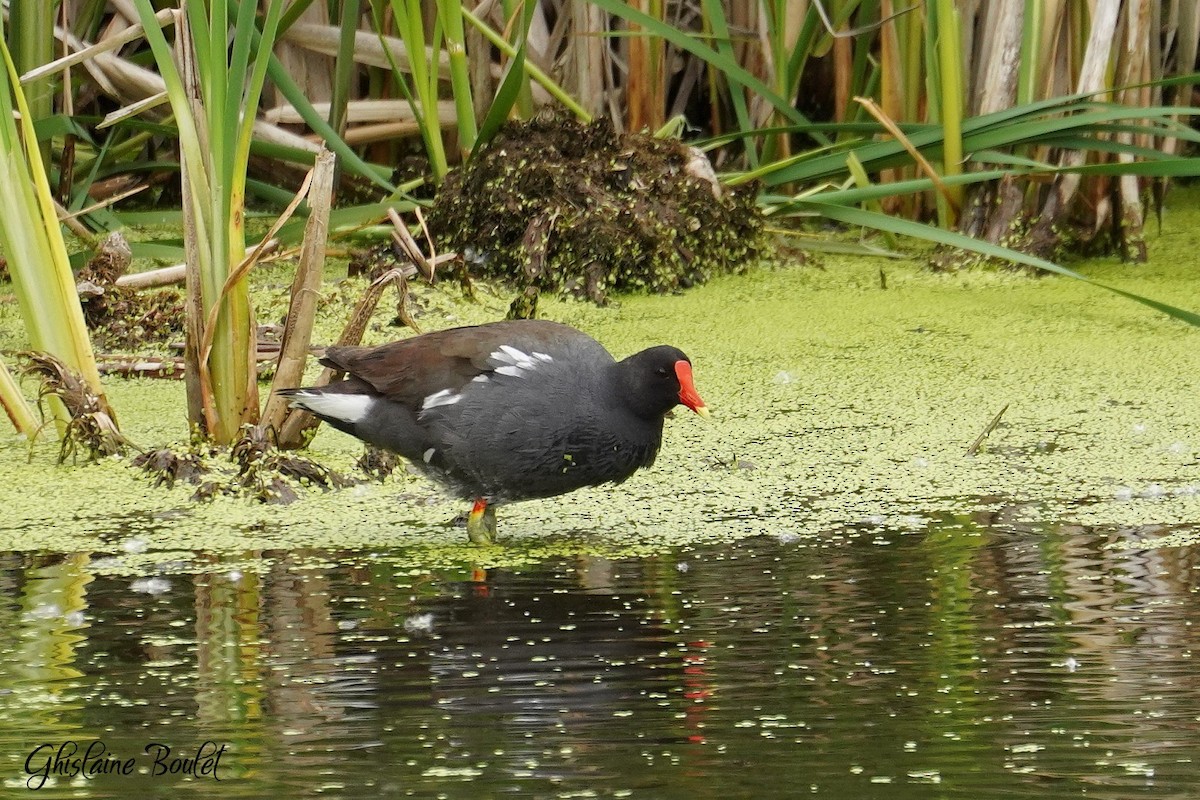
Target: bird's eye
{"type": "Point", "coordinates": [662, 372]}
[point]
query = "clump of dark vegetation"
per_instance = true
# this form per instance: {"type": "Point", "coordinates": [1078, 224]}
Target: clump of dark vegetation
{"type": "Point", "coordinates": [91, 428]}
{"type": "Point", "coordinates": [121, 318]}
{"type": "Point", "coordinates": [264, 472]}
{"type": "Point", "coordinates": [377, 464]}
{"type": "Point", "coordinates": [558, 205]}
{"type": "Point", "coordinates": [167, 466]}
{"type": "Point", "coordinates": [255, 469]}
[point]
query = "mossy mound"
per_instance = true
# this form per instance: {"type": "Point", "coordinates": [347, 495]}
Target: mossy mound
{"type": "Point", "coordinates": [559, 205]}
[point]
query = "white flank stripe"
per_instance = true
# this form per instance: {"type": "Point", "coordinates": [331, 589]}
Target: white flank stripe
{"type": "Point", "coordinates": [508, 360]}
{"type": "Point", "coordinates": [427, 456]}
{"type": "Point", "coordinates": [510, 354]}
{"type": "Point", "coordinates": [345, 407]}
{"type": "Point", "coordinates": [443, 398]}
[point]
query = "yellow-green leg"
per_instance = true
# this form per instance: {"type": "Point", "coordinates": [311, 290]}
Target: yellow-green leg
{"type": "Point", "coordinates": [481, 523]}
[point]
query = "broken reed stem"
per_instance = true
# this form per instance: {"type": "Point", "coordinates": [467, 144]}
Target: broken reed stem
{"type": "Point", "coordinates": [991, 426]}
{"type": "Point", "coordinates": [296, 426]}
{"type": "Point", "coordinates": [921, 161]}
{"type": "Point", "coordinates": [163, 276]}
{"type": "Point", "coordinates": [409, 245]}
{"type": "Point", "coordinates": [15, 406]}
{"type": "Point", "coordinates": [297, 330]}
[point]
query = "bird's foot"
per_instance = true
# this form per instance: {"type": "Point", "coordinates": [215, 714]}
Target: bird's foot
{"type": "Point", "coordinates": [481, 523]}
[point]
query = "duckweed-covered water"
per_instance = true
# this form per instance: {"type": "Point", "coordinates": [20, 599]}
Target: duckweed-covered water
{"type": "Point", "coordinates": [817, 593]}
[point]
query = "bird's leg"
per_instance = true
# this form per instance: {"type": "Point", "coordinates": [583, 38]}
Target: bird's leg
{"type": "Point", "coordinates": [481, 523]}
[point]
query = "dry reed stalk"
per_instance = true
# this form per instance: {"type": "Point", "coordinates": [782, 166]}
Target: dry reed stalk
{"type": "Point", "coordinates": [380, 132]}
{"type": "Point", "coordinates": [310, 267]}
{"type": "Point", "coordinates": [479, 60]}
{"type": "Point", "coordinates": [164, 276]}
{"type": "Point", "coordinates": [538, 37]}
{"type": "Point", "coordinates": [1133, 69]}
{"type": "Point", "coordinates": [78, 53]}
{"type": "Point", "coordinates": [126, 12]}
{"type": "Point", "coordinates": [760, 61]}
{"type": "Point", "coordinates": [409, 246]}
{"type": "Point", "coordinates": [891, 94]}
{"type": "Point", "coordinates": [1092, 80]}
{"type": "Point", "coordinates": [843, 55]}
{"type": "Point", "coordinates": [786, 85]}
{"type": "Point", "coordinates": [308, 67]}
{"type": "Point", "coordinates": [133, 110]}
{"type": "Point", "coordinates": [273, 134]}
{"type": "Point", "coordinates": [922, 163]}
{"type": "Point", "coordinates": [368, 47]}
{"type": "Point", "coordinates": [1057, 49]}
{"type": "Point", "coordinates": [135, 87]}
{"type": "Point", "coordinates": [997, 56]}
{"type": "Point", "coordinates": [589, 56]}
{"type": "Point", "coordinates": [645, 92]}
{"type": "Point", "coordinates": [1185, 15]}
{"type": "Point", "coordinates": [360, 111]}
{"type": "Point", "coordinates": [296, 426]}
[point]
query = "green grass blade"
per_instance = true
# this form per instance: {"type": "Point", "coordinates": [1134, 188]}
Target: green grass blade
{"type": "Point", "coordinates": [1042, 122]}
{"type": "Point", "coordinates": [1159, 168]}
{"type": "Point", "coordinates": [883, 222]}
{"type": "Point", "coordinates": [951, 98]}
{"type": "Point", "coordinates": [714, 14]}
{"type": "Point", "coordinates": [344, 68]}
{"type": "Point", "coordinates": [509, 91]}
{"type": "Point", "coordinates": [32, 241]}
{"type": "Point", "coordinates": [14, 404]}
{"type": "Point", "coordinates": [349, 218]}
{"type": "Point", "coordinates": [869, 192]}
{"type": "Point", "coordinates": [450, 12]}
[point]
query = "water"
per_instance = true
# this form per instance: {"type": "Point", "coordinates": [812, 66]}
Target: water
{"type": "Point", "coordinates": [969, 658]}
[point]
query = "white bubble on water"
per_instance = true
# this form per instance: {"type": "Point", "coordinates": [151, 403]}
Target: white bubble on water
{"type": "Point", "coordinates": [44, 611]}
{"type": "Point", "coordinates": [133, 545]}
{"type": "Point", "coordinates": [419, 623]}
{"type": "Point", "coordinates": [151, 586]}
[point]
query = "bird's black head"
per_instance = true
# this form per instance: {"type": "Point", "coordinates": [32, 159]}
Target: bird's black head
{"type": "Point", "coordinates": [656, 380]}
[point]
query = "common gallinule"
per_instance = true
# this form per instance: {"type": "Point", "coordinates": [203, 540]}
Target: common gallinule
{"type": "Point", "coordinates": [506, 411]}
